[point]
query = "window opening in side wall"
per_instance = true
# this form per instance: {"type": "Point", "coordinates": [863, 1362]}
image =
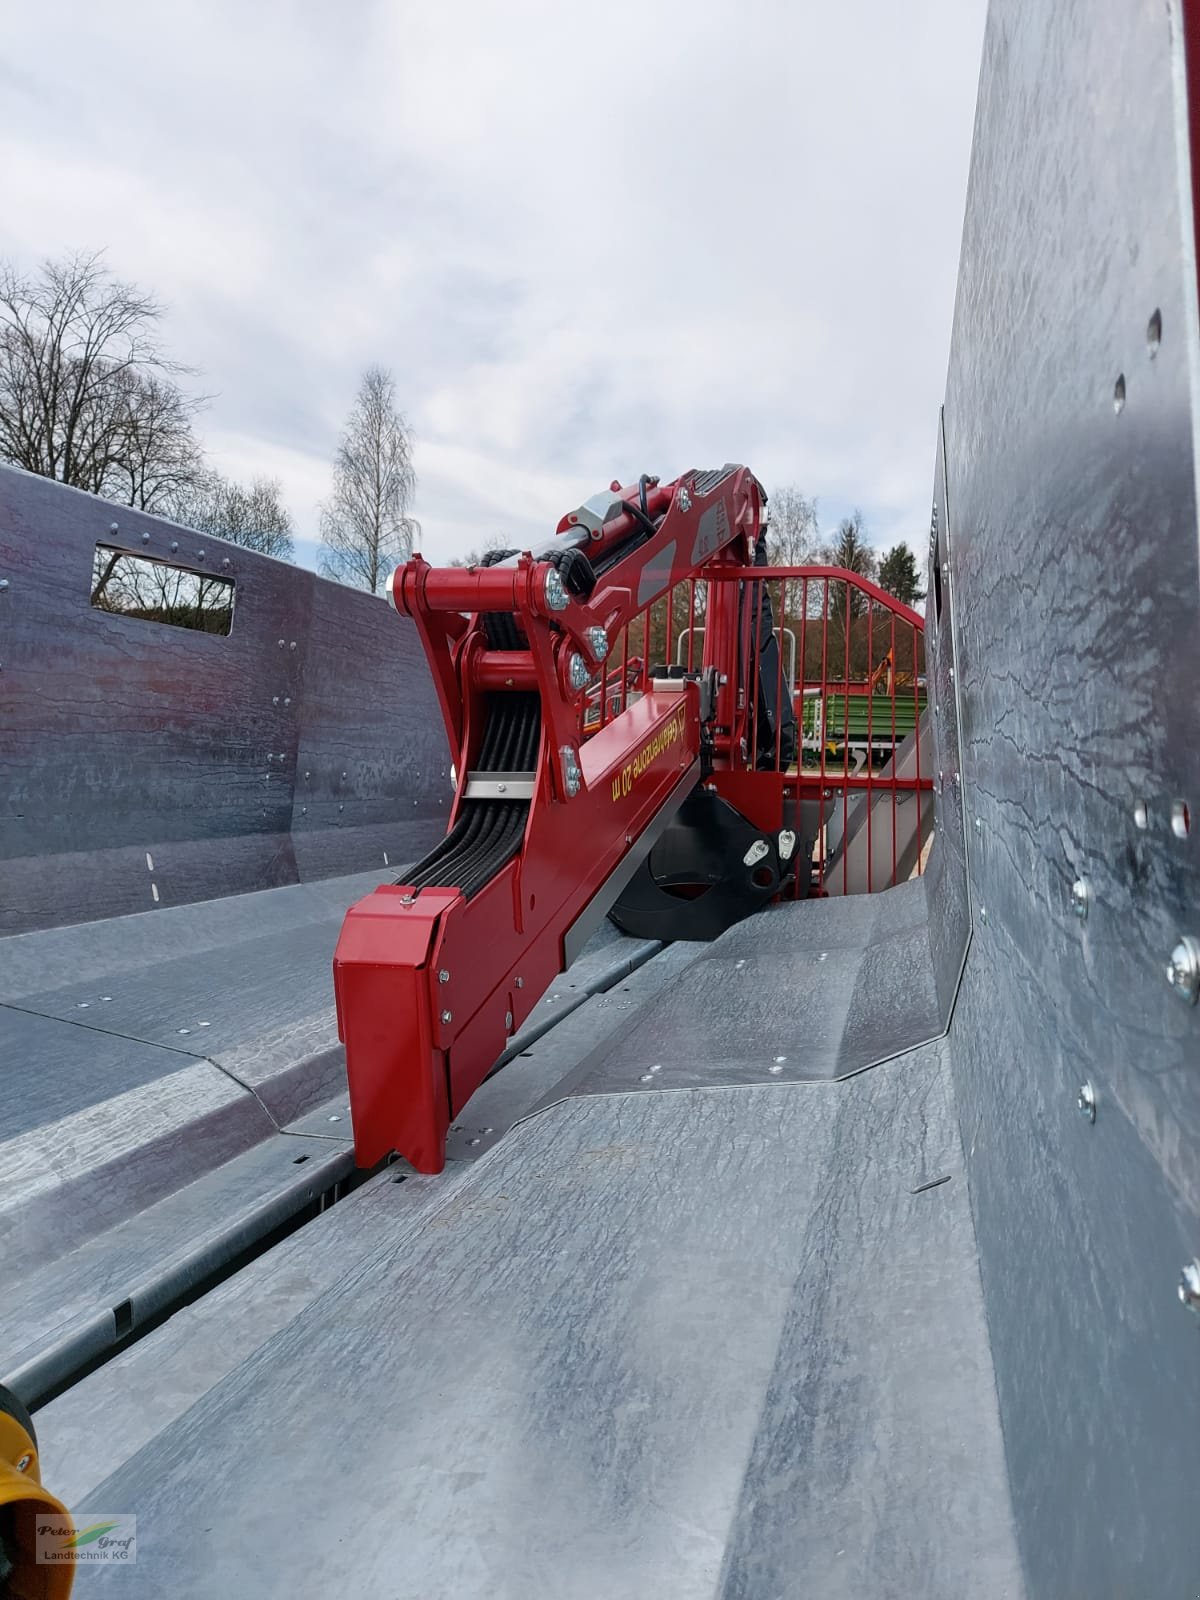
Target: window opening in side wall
{"type": "Point", "coordinates": [159, 591]}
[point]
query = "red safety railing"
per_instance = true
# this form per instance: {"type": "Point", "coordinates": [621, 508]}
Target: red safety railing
{"type": "Point", "coordinates": [849, 659]}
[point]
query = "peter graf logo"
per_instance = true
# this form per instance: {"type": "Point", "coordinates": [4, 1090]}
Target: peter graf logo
{"type": "Point", "coordinates": [110, 1538]}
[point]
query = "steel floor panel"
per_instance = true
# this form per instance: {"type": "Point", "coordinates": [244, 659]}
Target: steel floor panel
{"type": "Point", "coordinates": [59, 1316]}
{"type": "Point", "coordinates": [821, 989]}
{"type": "Point", "coordinates": [721, 1341]}
{"type": "Point", "coordinates": [148, 1066]}
{"type": "Point", "coordinates": [139, 1392]}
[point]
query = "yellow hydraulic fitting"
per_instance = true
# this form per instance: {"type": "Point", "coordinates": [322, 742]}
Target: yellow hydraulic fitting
{"type": "Point", "coordinates": [23, 1502]}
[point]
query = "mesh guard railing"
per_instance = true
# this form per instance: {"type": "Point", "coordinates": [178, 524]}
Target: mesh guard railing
{"type": "Point", "coordinates": [849, 660]}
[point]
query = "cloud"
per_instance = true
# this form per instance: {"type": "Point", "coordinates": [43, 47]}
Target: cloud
{"type": "Point", "coordinates": [587, 241]}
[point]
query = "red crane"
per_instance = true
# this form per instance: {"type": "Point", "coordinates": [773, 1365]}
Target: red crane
{"type": "Point", "coordinates": [550, 823]}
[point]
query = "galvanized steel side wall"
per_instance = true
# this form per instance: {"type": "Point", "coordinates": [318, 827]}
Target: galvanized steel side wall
{"type": "Point", "coordinates": [1072, 503]}
{"type": "Point", "coordinates": [139, 760]}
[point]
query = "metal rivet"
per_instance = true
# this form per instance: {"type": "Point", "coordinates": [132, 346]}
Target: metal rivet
{"type": "Point", "coordinates": [115, 527]}
{"type": "Point", "coordinates": [183, 1030]}
{"type": "Point", "coordinates": [443, 976]}
{"type": "Point", "coordinates": [1086, 1100]}
{"type": "Point", "coordinates": [1181, 819]}
{"type": "Point", "coordinates": [335, 1117]}
{"type": "Point", "coordinates": [775, 1070]}
{"type": "Point", "coordinates": [779, 1060]}
{"type": "Point", "coordinates": [1119, 394]}
{"type": "Point", "coordinates": [292, 646]}
{"type": "Point", "coordinates": [1183, 969]}
{"type": "Point", "coordinates": [645, 1078]}
{"type": "Point", "coordinates": [174, 546]}
{"type": "Point", "coordinates": [518, 983]}
{"type": "Point", "coordinates": [274, 699]}
{"type": "Point", "coordinates": [282, 643]}
{"type": "Point", "coordinates": [1189, 1286]}
{"type": "Point", "coordinates": [1141, 816]}
{"type": "Point", "coordinates": [473, 1141]}
{"type": "Point", "coordinates": [3, 584]}
{"type": "Point", "coordinates": [983, 913]}
{"type": "Point", "coordinates": [978, 825]}
{"type": "Point", "coordinates": [1079, 898]}
{"type": "Point", "coordinates": [199, 555]}
{"type": "Point", "coordinates": [225, 561]}
{"type": "Point", "coordinates": [145, 538]}
{"type": "Point", "coordinates": [341, 808]}
{"type": "Point", "coordinates": [447, 1016]}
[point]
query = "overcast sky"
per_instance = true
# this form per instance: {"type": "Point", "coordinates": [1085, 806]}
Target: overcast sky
{"type": "Point", "coordinates": [588, 240]}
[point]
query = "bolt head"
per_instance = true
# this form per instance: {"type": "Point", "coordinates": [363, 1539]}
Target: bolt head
{"type": "Point", "coordinates": [556, 595]}
{"type": "Point", "coordinates": [447, 1016]}
{"type": "Point", "coordinates": [23, 1463]}
{"type": "Point", "coordinates": [572, 777]}
{"type": "Point", "coordinates": [443, 976]}
{"type": "Point", "coordinates": [577, 671]}
{"type": "Point", "coordinates": [1079, 898]}
{"type": "Point", "coordinates": [1086, 1101]}
{"type": "Point", "coordinates": [1183, 969]}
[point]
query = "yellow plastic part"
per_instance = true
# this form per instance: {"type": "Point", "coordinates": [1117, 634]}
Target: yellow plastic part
{"type": "Point", "coordinates": [22, 1500]}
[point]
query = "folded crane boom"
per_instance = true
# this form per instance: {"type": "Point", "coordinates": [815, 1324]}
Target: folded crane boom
{"type": "Point", "coordinates": [549, 822]}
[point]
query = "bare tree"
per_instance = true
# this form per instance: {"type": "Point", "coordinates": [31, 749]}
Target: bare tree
{"type": "Point", "coordinates": [365, 526]}
{"type": "Point", "coordinates": [793, 536]}
{"type": "Point", "coordinates": [250, 515]}
{"type": "Point", "coordinates": [87, 395]}
{"type": "Point", "coordinates": [477, 558]}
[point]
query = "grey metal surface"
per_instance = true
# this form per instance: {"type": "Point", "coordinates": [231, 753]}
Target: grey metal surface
{"type": "Point", "coordinates": [140, 760]}
{"type": "Point", "coordinates": [885, 828]}
{"type": "Point", "coordinates": [140, 1392]}
{"type": "Point", "coordinates": [591, 1371]}
{"type": "Point", "coordinates": [147, 1387]}
{"type": "Point", "coordinates": [947, 887]}
{"type": "Point", "coordinates": [68, 1308]}
{"type": "Point", "coordinates": [818, 989]}
{"type": "Point", "coordinates": [1075, 572]}
{"type": "Point", "coordinates": [150, 1062]}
